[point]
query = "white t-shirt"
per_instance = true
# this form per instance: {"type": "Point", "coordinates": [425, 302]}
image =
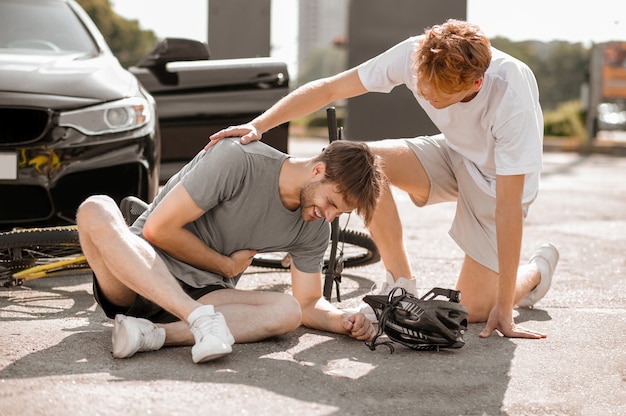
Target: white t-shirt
{"type": "Point", "coordinates": [498, 132]}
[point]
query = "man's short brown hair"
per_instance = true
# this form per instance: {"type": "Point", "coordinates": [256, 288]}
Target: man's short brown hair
{"type": "Point", "coordinates": [451, 57]}
{"type": "Point", "coordinates": [356, 172]}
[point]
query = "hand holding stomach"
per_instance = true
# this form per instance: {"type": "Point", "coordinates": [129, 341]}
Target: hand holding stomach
{"type": "Point", "coordinates": [239, 262]}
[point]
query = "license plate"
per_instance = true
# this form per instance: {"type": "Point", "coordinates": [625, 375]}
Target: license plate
{"type": "Point", "coordinates": [8, 166]}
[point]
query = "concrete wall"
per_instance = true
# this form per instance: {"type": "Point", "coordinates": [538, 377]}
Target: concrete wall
{"type": "Point", "coordinates": [239, 28]}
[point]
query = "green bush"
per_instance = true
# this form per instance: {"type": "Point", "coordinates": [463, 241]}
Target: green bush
{"type": "Point", "coordinates": [566, 121]}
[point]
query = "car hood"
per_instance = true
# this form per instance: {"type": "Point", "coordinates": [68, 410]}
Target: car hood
{"type": "Point", "coordinates": [88, 79]}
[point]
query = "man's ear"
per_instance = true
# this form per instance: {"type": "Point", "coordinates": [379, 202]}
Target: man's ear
{"type": "Point", "coordinates": [478, 83]}
{"type": "Point", "coordinates": [318, 171]}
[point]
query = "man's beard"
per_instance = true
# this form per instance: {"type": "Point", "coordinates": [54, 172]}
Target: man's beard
{"type": "Point", "coordinates": [307, 194]}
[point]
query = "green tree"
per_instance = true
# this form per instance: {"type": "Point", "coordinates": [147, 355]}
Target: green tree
{"type": "Point", "coordinates": [560, 67]}
{"type": "Point", "coordinates": [126, 39]}
{"type": "Point", "coordinates": [564, 70]}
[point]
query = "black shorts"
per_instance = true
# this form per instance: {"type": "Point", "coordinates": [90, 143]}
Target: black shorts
{"type": "Point", "coordinates": [144, 308]}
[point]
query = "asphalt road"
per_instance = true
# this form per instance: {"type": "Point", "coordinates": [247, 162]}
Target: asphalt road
{"type": "Point", "coordinates": [55, 343]}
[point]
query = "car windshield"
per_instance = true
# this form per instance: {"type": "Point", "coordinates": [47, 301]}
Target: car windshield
{"type": "Point", "coordinates": [43, 25]}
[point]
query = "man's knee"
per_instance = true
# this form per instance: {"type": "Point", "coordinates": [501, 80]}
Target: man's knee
{"type": "Point", "coordinates": [94, 215]}
{"type": "Point", "coordinates": [477, 312]}
{"type": "Point", "coordinates": [478, 286]}
{"type": "Point", "coordinates": [92, 207]}
{"type": "Point", "coordinates": [291, 314]}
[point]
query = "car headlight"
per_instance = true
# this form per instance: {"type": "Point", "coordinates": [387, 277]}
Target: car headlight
{"type": "Point", "coordinates": [112, 117]}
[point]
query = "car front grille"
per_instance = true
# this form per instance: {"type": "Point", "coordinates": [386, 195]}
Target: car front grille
{"type": "Point", "coordinates": [114, 181]}
{"type": "Point", "coordinates": [24, 202]}
{"type": "Point", "coordinates": [22, 125]}
{"type": "Point", "coordinates": [21, 205]}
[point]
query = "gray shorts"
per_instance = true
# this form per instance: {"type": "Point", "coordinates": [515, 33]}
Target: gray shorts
{"type": "Point", "coordinates": [474, 225]}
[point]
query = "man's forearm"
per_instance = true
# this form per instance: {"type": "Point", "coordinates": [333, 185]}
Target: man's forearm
{"type": "Point", "coordinates": [509, 235]}
{"type": "Point", "coordinates": [186, 247]}
{"type": "Point", "coordinates": [509, 221]}
{"type": "Point", "coordinates": [310, 98]}
{"type": "Point", "coordinates": [299, 103]}
{"type": "Point", "coordinates": [323, 316]}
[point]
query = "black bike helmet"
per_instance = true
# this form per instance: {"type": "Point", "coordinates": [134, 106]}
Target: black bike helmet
{"type": "Point", "coordinates": [420, 324]}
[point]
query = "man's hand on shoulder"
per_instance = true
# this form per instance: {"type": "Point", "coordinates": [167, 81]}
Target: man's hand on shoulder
{"type": "Point", "coordinates": [359, 327]}
{"type": "Point", "coordinates": [246, 132]}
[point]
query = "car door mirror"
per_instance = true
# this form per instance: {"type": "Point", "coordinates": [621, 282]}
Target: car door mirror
{"type": "Point", "coordinates": [172, 50]}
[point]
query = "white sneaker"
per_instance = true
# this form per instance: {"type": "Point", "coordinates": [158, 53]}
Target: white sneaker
{"type": "Point", "coordinates": [546, 258]}
{"type": "Point", "coordinates": [388, 285]}
{"type": "Point", "coordinates": [213, 338]}
{"type": "Point", "coordinates": [131, 335]}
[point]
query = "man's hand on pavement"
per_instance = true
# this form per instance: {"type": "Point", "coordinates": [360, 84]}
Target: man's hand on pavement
{"type": "Point", "coordinates": [504, 324]}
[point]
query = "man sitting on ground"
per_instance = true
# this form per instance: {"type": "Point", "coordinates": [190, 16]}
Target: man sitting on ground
{"type": "Point", "coordinates": [170, 278]}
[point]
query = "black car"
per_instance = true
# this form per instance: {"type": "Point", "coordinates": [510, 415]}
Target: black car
{"type": "Point", "coordinates": [73, 121]}
{"type": "Point", "coordinates": [197, 95]}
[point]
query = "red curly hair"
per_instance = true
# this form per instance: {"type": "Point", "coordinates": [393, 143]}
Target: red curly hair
{"type": "Point", "coordinates": [451, 57]}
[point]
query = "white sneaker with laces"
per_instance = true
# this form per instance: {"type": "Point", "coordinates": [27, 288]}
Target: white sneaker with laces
{"type": "Point", "coordinates": [131, 335]}
{"type": "Point", "coordinates": [546, 257]}
{"type": "Point", "coordinates": [388, 285]}
{"type": "Point", "coordinates": [213, 338]}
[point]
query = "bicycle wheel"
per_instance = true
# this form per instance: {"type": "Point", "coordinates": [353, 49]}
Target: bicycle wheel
{"type": "Point", "coordinates": [358, 250]}
{"type": "Point", "coordinates": [25, 248]}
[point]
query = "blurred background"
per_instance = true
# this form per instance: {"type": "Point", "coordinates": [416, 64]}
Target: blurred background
{"type": "Point", "coordinates": [563, 42]}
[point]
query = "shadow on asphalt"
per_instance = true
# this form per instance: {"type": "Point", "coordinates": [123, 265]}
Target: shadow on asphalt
{"type": "Point", "coordinates": [306, 365]}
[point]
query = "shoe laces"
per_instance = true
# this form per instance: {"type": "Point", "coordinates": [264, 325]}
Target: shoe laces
{"type": "Point", "coordinates": [208, 324]}
{"type": "Point", "coordinates": [150, 340]}
{"type": "Point", "coordinates": [149, 337]}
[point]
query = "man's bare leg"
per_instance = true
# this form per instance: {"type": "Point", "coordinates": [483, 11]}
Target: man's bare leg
{"type": "Point", "coordinates": [386, 231]}
{"type": "Point", "coordinates": [404, 171]}
{"type": "Point", "coordinates": [251, 316]}
{"type": "Point", "coordinates": [479, 286]}
{"type": "Point", "coordinates": [124, 263]}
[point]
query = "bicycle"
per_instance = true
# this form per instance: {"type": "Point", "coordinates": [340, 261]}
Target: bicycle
{"type": "Point", "coordinates": [33, 253]}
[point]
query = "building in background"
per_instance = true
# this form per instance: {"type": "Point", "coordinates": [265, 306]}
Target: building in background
{"type": "Point", "coordinates": [227, 40]}
{"type": "Point", "coordinates": [323, 28]}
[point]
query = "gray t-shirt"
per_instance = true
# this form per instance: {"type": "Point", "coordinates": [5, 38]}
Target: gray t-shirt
{"type": "Point", "coordinates": [237, 186]}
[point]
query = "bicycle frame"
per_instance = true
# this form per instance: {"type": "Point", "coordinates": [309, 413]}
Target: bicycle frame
{"type": "Point", "coordinates": [32, 253]}
{"type": "Point", "coordinates": [36, 272]}
{"type": "Point", "coordinates": [332, 271]}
